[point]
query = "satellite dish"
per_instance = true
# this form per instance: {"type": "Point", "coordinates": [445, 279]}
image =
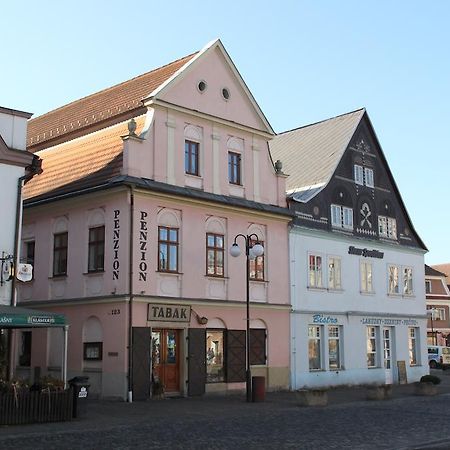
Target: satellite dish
{"type": "Point", "coordinates": [24, 272]}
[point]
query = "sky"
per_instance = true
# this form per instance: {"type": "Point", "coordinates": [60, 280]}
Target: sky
{"type": "Point", "coordinates": [304, 61]}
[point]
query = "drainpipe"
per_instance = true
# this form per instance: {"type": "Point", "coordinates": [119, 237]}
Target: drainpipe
{"type": "Point", "coordinates": [130, 304]}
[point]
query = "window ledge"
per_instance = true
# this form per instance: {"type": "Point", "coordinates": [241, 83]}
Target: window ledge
{"type": "Point", "coordinates": [94, 273]}
{"type": "Point", "coordinates": [369, 293]}
{"type": "Point", "coordinates": [393, 295]}
{"type": "Point", "coordinates": [163, 272]}
{"type": "Point", "coordinates": [216, 277]}
{"type": "Point", "coordinates": [409, 296]}
{"type": "Point", "coordinates": [317, 370]}
{"type": "Point", "coordinates": [335, 290]}
{"type": "Point", "coordinates": [58, 277]}
{"type": "Point", "coordinates": [314, 288]}
{"type": "Point", "coordinates": [258, 281]}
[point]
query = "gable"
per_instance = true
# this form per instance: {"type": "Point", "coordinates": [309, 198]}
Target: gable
{"type": "Point", "coordinates": [216, 70]}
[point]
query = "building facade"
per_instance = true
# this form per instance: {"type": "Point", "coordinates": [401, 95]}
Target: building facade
{"type": "Point", "coordinates": [357, 291]}
{"type": "Point", "coordinates": [145, 187]}
{"type": "Point", "coordinates": [438, 307]}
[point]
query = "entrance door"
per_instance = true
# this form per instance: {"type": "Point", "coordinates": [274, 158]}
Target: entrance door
{"type": "Point", "coordinates": [166, 358]}
{"type": "Point", "coordinates": [387, 352]}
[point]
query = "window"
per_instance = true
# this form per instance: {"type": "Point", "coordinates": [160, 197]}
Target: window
{"type": "Point", "coordinates": [214, 254]}
{"type": "Point", "coordinates": [314, 353]}
{"type": "Point", "coordinates": [368, 176]}
{"type": "Point", "coordinates": [372, 358]}
{"type": "Point", "coordinates": [407, 281]}
{"type": "Point", "coordinates": [334, 273]}
{"type": "Point", "coordinates": [93, 351]}
{"type": "Point", "coordinates": [342, 217]}
{"type": "Point", "coordinates": [257, 266]}
{"type": "Point", "coordinates": [257, 346]}
{"type": "Point", "coordinates": [168, 249]}
{"type": "Point", "coordinates": [234, 168]}
{"type": "Point", "coordinates": [387, 227]}
{"type": "Point", "coordinates": [393, 280]}
{"type": "Point", "coordinates": [359, 174]}
{"type": "Point", "coordinates": [437, 313]}
{"type": "Point", "coordinates": [96, 258]}
{"type": "Point", "coordinates": [334, 347]}
{"type": "Point", "coordinates": [25, 349]}
{"type": "Point", "coordinates": [363, 175]}
{"type": "Point", "coordinates": [29, 254]}
{"type": "Point", "coordinates": [366, 277]}
{"type": "Point", "coordinates": [427, 286]}
{"type": "Point", "coordinates": [412, 346]}
{"type": "Point", "coordinates": [60, 254]}
{"type": "Point", "coordinates": [215, 370]}
{"type": "Point", "coordinates": [315, 271]}
{"type": "Point", "coordinates": [191, 153]}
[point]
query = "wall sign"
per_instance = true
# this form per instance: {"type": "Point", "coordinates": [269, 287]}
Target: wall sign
{"type": "Point", "coordinates": [143, 239]}
{"type": "Point", "coordinates": [365, 252]}
{"type": "Point", "coordinates": [169, 313]}
{"type": "Point", "coordinates": [320, 318]}
{"type": "Point", "coordinates": [116, 236]}
{"type": "Point", "coordinates": [389, 322]}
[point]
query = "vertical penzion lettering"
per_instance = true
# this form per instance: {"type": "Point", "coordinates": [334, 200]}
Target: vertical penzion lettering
{"type": "Point", "coordinates": [143, 239]}
{"type": "Point", "coordinates": [116, 236]}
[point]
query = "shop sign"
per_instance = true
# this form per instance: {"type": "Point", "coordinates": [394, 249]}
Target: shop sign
{"type": "Point", "coordinates": [388, 322]}
{"type": "Point", "coordinates": [320, 318]}
{"type": "Point", "coordinates": [169, 313]}
{"type": "Point", "coordinates": [365, 252]}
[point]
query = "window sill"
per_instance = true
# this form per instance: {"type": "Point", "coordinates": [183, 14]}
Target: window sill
{"type": "Point", "coordinates": [369, 293]}
{"type": "Point", "coordinates": [374, 367]}
{"type": "Point", "coordinates": [314, 288]}
{"type": "Point", "coordinates": [409, 296]}
{"type": "Point", "coordinates": [94, 272]}
{"type": "Point", "coordinates": [252, 280]}
{"type": "Point", "coordinates": [216, 277]}
{"type": "Point", "coordinates": [164, 272]}
{"type": "Point", "coordinates": [58, 277]}
{"type": "Point", "coordinates": [193, 175]}
{"type": "Point", "coordinates": [394, 295]}
{"type": "Point", "coordinates": [336, 291]}
{"type": "Point", "coordinates": [317, 370]}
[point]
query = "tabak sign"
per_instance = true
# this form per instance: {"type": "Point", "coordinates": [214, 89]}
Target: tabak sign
{"type": "Point", "coordinates": [169, 313]}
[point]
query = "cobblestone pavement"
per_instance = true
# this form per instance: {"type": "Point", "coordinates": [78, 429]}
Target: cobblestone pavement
{"type": "Point", "coordinates": [348, 422]}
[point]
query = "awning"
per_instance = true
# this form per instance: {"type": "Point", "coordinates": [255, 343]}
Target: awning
{"type": "Point", "coordinates": [16, 317]}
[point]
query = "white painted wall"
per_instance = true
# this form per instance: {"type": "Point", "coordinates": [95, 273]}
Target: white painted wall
{"type": "Point", "coordinates": [350, 309]}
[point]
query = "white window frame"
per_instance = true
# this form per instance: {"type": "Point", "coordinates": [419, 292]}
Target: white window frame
{"type": "Point", "coordinates": [358, 173]}
{"type": "Point", "coordinates": [393, 287]}
{"type": "Point", "coordinates": [439, 313]}
{"type": "Point", "coordinates": [368, 177]}
{"type": "Point", "coordinates": [334, 273]}
{"type": "Point", "coordinates": [408, 285]}
{"type": "Point", "coordinates": [315, 333]}
{"type": "Point", "coordinates": [338, 338]}
{"type": "Point", "coordinates": [366, 276]}
{"type": "Point", "coordinates": [413, 346]}
{"type": "Point", "coordinates": [341, 217]}
{"type": "Point", "coordinates": [315, 276]}
{"type": "Point", "coordinates": [372, 334]}
{"type": "Point", "coordinates": [387, 227]}
{"type": "Point", "coordinates": [428, 290]}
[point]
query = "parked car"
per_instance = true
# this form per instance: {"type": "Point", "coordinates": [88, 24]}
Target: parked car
{"type": "Point", "coordinates": [438, 356]}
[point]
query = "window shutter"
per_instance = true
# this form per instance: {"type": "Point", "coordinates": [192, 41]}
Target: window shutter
{"type": "Point", "coordinates": [235, 356]}
{"type": "Point", "coordinates": [258, 346]}
{"type": "Point", "coordinates": [196, 361]}
{"type": "Point", "coordinates": [142, 338]}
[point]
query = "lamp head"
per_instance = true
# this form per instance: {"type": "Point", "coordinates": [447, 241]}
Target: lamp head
{"type": "Point", "coordinates": [235, 250]}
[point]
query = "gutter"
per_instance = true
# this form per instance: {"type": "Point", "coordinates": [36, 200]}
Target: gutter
{"type": "Point", "coordinates": [130, 303]}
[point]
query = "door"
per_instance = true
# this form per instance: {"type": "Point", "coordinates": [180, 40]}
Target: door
{"type": "Point", "coordinates": [197, 361]}
{"type": "Point", "coordinates": [387, 354]}
{"type": "Point", "coordinates": [166, 358]}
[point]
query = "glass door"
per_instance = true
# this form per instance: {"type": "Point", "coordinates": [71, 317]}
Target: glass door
{"type": "Point", "coordinates": [165, 358]}
{"type": "Point", "coordinates": [387, 354]}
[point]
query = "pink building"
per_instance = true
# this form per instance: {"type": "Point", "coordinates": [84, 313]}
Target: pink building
{"type": "Point", "coordinates": [145, 186]}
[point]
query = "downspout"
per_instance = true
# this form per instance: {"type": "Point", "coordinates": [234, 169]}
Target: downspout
{"type": "Point", "coordinates": [130, 302]}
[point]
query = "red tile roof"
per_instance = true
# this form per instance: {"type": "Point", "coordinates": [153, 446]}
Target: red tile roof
{"type": "Point", "coordinates": [99, 109]}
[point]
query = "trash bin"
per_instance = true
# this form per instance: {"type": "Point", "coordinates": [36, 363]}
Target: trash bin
{"type": "Point", "coordinates": [80, 390]}
{"type": "Point", "coordinates": [258, 389]}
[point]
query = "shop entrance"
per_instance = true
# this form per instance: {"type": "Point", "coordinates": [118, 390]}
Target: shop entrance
{"type": "Point", "coordinates": [388, 354]}
{"type": "Point", "coordinates": [166, 358]}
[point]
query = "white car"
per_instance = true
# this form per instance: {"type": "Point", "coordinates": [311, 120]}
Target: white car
{"type": "Point", "coordinates": [438, 356]}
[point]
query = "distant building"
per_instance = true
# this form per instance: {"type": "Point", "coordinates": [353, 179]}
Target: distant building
{"type": "Point", "coordinates": [438, 306]}
{"type": "Point", "coordinates": [357, 264]}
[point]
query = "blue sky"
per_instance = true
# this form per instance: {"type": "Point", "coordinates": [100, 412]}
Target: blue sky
{"type": "Point", "coordinates": [304, 61]}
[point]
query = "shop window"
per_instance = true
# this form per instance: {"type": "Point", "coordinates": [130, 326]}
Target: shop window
{"type": "Point", "coordinates": [314, 347]}
{"type": "Point", "coordinates": [60, 254]}
{"type": "Point", "coordinates": [315, 271]}
{"type": "Point", "coordinates": [334, 347]}
{"type": "Point", "coordinates": [215, 254]}
{"type": "Point", "coordinates": [96, 249]}
{"type": "Point", "coordinates": [25, 349]}
{"type": "Point", "coordinates": [372, 347]}
{"type": "Point", "coordinates": [413, 345]}
{"type": "Point", "coordinates": [93, 351]}
{"type": "Point", "coordinates": [215, 369]}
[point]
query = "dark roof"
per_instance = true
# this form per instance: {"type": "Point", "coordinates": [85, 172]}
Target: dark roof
{"type": "Point", "coordinates": [433, 272]}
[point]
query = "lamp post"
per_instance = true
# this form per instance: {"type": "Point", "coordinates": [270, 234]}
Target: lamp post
{"type": "Point", "coordinates": [253, 249]}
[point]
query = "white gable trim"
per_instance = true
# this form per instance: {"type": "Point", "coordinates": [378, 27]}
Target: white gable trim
{"type": "Point", "coordinates": [182, 71]}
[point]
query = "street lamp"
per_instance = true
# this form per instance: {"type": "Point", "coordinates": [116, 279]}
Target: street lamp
{"type": "Point", "coordinates": [253, 249]}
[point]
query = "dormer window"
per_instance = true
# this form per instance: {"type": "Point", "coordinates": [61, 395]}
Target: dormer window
{"type": "Point", "coordinates": [342, 217]}
{"type": "Point", "coordinates": [363, 175]}
{"type": "Point", "coordinates": [387, 227]}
